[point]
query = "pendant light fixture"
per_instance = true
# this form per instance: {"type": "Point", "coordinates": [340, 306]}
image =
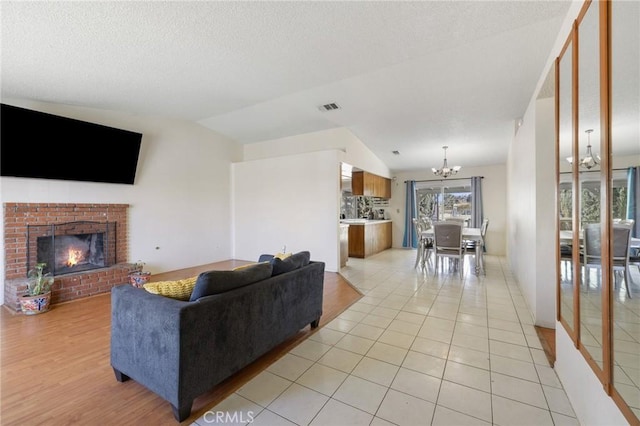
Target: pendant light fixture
{"type": "Point", "coordinates": [445, 171]}
{"type": "Point", "coordinates": [590, 160]}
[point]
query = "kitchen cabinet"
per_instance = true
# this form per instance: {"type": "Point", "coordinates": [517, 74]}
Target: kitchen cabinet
{"type": "Point", "coordinates": [365, 183]}
{"type": "Point", "coordinates": [357, 183]}
{"type": "Point", "coordinates": [369, 237]}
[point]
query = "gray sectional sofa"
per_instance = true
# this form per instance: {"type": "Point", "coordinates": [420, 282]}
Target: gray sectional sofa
{"type": "Point", "coordinates": [182, 349]}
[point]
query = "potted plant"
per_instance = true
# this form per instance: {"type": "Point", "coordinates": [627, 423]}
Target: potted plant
{"type": "Point", "coordinates": [138, 277]}
{"type": "Point", "coordinates": [38, 296]}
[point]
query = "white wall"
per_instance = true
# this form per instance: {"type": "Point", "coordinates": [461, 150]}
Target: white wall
{"type": "Point", "coordinates": [291, 200]}
{"type": "Point", "coordinates": [531, 187]}
{"type": "Point", "coordinates": [545, 284]}
{"type": "Point", "coordinates": [181, 199]}
{"type": "Point", "coordinates": [521, 207]}
{"type": "Point", "coordinates": [354, 152]}
{"type": "Point", "coordinates": [588, 398]}
{"type": "Point", "coordinates": [308, 217]}
{"type": "Point", "coordinates": [494, 202]}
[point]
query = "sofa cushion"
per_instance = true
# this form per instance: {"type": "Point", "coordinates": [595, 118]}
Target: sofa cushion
{"type": "Point", "coordinates": [216, 282]}
{"type": "Point", "coordinates": [178, 289]}
{"type": "Point", "coordinates": [291, 263]}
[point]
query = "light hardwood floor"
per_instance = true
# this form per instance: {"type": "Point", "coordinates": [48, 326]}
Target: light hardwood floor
{"type": "Point", "coordinates": [55, 366]}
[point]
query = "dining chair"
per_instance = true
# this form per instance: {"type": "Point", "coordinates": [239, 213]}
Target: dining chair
{"type": "Point", "coordinates": [418, 228]}
{"type": "Point", "coordinates": [426, 221]}
{"type": "Point", "coordinates": [448, 244]}
{"type": "Point", "coordinates": [459, 220]}
{"type": "Point", "coordinates": [634, 257]}
{"type": "Point", "coordinates": [470, 245]}
{"type": "Point", "coordinates": [566, 259]}
{"type": "Point", "coordinates": [425, 244]}
{"type": "Point", "coordinates": [592, 255]}
{"type": "Point", "coordinates": [629, 222]}
{"type": "Point", "coordinates": [621, 254]}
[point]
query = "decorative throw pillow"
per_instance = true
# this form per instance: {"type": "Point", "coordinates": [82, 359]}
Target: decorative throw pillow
{"type": "Point", "coordinates": [216, 282]}
{"type": "Point", "coordinates": [241, 267]}
{"type": "Point", "coordinates": [291, 263]}
{"type": "Point", "coordinates": [178, 289]}
{"type": "Point", "coordinates": [270, 257]}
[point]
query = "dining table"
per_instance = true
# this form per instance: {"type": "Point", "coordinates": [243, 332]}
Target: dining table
{"type": "Point", "coordinates": [468, 234]}
{"type": "Point", "coordinates": [566, 237]}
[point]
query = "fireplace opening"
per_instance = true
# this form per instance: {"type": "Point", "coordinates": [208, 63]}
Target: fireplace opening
{"type": "Point", "coordinates": [72, 253]}
{"type": "Point", "coordinates": [72, 247]}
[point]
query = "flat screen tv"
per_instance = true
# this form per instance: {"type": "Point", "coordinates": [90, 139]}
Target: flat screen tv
{"type": "Point", "coordinates": [34, 144]}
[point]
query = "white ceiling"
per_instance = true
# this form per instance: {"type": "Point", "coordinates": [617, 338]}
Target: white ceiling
{"type": "Point", "coordinates": [409, 76]}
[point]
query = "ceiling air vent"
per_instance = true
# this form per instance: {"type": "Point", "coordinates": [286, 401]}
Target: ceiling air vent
{"type": "Point", "coordinates": [329, 107]}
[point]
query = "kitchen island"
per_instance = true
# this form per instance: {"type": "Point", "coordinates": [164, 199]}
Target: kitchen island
{"type": "Point", "coordinates": [367, 237]}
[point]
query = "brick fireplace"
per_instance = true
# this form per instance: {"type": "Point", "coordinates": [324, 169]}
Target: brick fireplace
{"type": "Point", "coordinates": [20, 220]}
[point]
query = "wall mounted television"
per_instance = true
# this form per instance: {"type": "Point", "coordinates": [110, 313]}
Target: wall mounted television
{"type": "Point", "coordinates": [34, 144]}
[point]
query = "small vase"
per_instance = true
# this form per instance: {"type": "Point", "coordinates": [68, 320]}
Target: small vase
{"type": "Point", "coordinates": [138, 279]}
{"type": "Point", "coordinates": [38, 304]}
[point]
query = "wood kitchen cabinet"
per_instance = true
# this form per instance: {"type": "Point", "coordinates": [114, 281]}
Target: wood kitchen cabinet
{"type": "Point", "coordinates": [357, 183]}
{"type": "Point", "coordinates": [369, 238]}
{"type": "Point", "coordinates": [365, 183]}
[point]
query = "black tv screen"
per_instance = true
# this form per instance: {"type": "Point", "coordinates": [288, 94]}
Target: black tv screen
{"type": "Point", "coordinates": [34, 144]}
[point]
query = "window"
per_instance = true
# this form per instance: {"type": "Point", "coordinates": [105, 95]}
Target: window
{"type": "Point", "coordinates": [443, 200]}
{"type": "Point", "coordinates": [590, 193]}
{"type": "Point", "coordinates": [590, 198]}
{"type": "Point", "coordinates": [564, 205]}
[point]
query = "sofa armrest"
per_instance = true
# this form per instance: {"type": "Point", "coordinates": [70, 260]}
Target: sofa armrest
{"type": "Point", "coordinates": [145, 339]}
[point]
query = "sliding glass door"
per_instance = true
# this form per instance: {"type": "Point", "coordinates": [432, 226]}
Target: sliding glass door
{"type": "Point", "coordinates": [444, 200]}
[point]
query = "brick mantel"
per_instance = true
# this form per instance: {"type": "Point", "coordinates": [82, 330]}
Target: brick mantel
{"type": "Point", "coordinates": [17, 216]}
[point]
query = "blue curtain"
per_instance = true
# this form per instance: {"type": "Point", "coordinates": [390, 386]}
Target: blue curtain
{"type": "Point", "coordinates": [633, 198]}
{"type": "Point", "coordinates": [410, 212]}
{"type": "Point", "coordinates": [476, 199]}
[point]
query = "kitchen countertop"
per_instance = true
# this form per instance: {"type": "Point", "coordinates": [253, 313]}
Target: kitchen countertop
{"type": "Point", "coordinates": [363, 221]}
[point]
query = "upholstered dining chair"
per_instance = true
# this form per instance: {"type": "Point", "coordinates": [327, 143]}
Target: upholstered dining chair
{"type": "Point", "coordinates": [634, 257]}
{"type": "Point", "coordinates": [620, 259]}
{"type": "Point", "coordinates": [621, 255]}
{"type": "Point", "coordinates": [459, 220]}
{"type": "Point", "coordinates": [591, 255]}
{"type": "Point", "coordinates": [628, 222]}
{"type": "Point", "coordinates": [448, 244]}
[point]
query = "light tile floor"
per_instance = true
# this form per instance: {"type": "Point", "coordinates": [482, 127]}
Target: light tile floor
{"type": "Point", "coordinates": [417, 349]}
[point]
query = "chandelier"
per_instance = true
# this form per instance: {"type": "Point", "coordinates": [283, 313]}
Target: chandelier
{"type": "Point", "coordinates": [590, 160]}
{"type": "Point", "coordinates": [445, 171]}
